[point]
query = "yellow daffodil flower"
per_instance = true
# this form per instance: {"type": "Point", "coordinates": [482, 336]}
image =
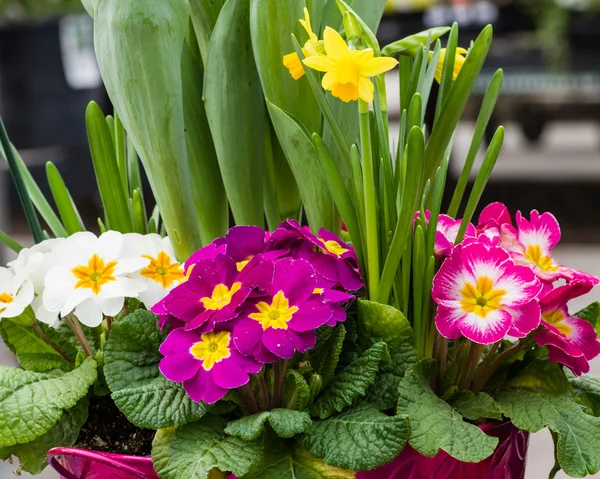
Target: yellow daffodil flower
{"type": "Point", "coordinates": [459, 61]}
{"type": "Point", "coordinates": [348, 71]}
{"type": "Point", "coordinates": [292, 60]}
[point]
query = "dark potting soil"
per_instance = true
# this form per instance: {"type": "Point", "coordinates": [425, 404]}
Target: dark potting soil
{"type": "Point", "coordinates": [108, 430]}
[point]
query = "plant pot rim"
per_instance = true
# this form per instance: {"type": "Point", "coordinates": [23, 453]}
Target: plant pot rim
{"type": "Point", "coordinates": [122, 462]}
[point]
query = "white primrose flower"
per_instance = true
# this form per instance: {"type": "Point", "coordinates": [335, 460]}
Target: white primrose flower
{"type": "Point", "coordinates": [33, 264]}
{"type": "Point", "coordinates": [90, 275]}
{"type": "Point", "coordinates": [15, 294]}
{"type": "Point", "coordinates": [161, 271]}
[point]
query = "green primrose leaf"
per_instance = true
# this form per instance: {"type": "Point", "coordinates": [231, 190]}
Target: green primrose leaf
{"type": "Point", "coordinates": [542, 374]}
{"type": "Point", "coordinates": [325, 356]}
{"type": "Point", "coordinates": [475, 406]}
{"type": "Point", "coordinates": [138, 388]}
{"type": "Point", "coordinates": [578, 445]}
{"type": "Point", "coordinates": [33, 353]}
{"type": "Point", "coordinates": [32, 455]}
{"type": "Point", "coordinates": [285, 423]}
{"type": "Point", "coordinates": [296, 392]}
{"type": "Point", "coordinates": [357, 439]}
{"type": "Point", "coordinates": [591, 313]}
{"type": "Point", "coordinates": [587, 389]}
{"type": "Point", "coordinates": [194, 450]}
{"type": "Point", "coordinates": [351, 383]}
{"type": "Point", "coordinates": [434, 424]}
{"type": "Point", "coordinates": [31, 403]}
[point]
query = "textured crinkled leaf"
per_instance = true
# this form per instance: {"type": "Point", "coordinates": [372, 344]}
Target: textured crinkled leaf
{"type": "Point", "coordinates": [475, 406]}
{"type": "Point", "coordinates": [285, 460]}
{"type": "Point", "coordinates": [31, 403]}
{"type": "Point", "coordinates": [587, 388]}
{"type": "Point", "coordinates": [384, 392]}
{"type": "Point", "coordinates": [542, 374]}
{"type": "Point", "coordinates": [434, 424]}
{"type": "Point", "coordinates": [591, 313]}
{"type": "Point", "coordinates": [193, 450]}
{"type": "Point", "coordinates": [296, 392]}
{"type": "Point", "coordinates": [33, 353]}
{"type": "Point", "coordinates": [351, 383]}
{"type": "Point", "coordinates": [380, 322]}
{"type": "Point", "coordinates": [326, 354]}
{"type": "Point", "coordinates": [138, 388]}
{"type": "Point", "coordinates": [357, 439]}
{"type": "Point", "coordinates": [32, 455]}
{"type": "Point", "coordinates": [578, 446]}
{"type": "Point", "coordinates": [285, 422]}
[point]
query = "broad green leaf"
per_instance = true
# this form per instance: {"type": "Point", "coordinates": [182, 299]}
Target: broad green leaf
{"type": "Point", "coordinates": [475, 406]}
{"type": "Point", "coordinates": [542, 374]}
{"type": "Point", "coordinates": [194, 450]}
{"type": "Point", "coordinates": [591, 313]}
{"type": "Point", "coordinates": [587, 389]}
{"type": "Point", "coordinates": [33, 353]}
{"type": "Point", "coordinates": [235, 110]}
{"type": "Point", "coordinates": [31, 403]}
{"type": "Point", "coordinates": [357, 439]}
{"type": "Point", "coordinates": [286, 460]}
{"type": "Point", "coordinates": [32, 455]}
{"type": "Point", "coordinates": [304, 163]}
{"type": "Point", "coordinates": [457, 99]}
{"type": "Point", "coordinates": [138, 388]}
{"type": "Point", "coordinates": [65, 204]}
{"type": "Point", "coordinates": [351, 383]}
{"type": "Point", "coordinates": [210, 201]}
{"type": "Point", "coordinates": [578, 446]}
{"type": "Point", "coordinates": [325, 356]}
{"type": "Point", "coordinates": [384, 392]}
{"type": "Point", "coordinates": [204, 14]}
{"type": "Point", "coordinates": [108, 177]}
{"type": "Point", "coordinates": [408, 45]}
{"type": "Point", "coordinates": [271, 25]}
{"type": "Point", "coordinates": [19, 182]}
{"type": "Point", "coordinates": [434, 424]}
{"type": "Point", "coordinates": [285, 422]}
{"type": "Point", "coordinates": [138, 46]}
{"type": "Point", "coordinates": [380, 322]}
{"type": "Point", "coordinates": [296, 392]}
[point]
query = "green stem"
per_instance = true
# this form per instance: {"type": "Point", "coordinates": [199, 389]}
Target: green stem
{"type": "Point", "coordinates": [485, 374]}
{"type": "Point", "coordinates": [443, 357]}
{"type": "Point", "coordinates": [248, 395]}
{"type": "Point", "coordinates": [279, 370]}
{"type": "Point", "coordinates": [372, 228]}
{"type": "Point", "coordinates": [46, 338]}
{"type": "Point", "coordinates": [73, 323]}
{"type": "Point", "coordinates": [264, 394]}
{"type": "Point", "coordinates": [475, 353]}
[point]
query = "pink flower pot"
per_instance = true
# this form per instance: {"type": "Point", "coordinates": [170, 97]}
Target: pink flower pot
{"type": "Point", "coordinates": [507, 462]}
{"type": "Point", "coordinates": [72, 463]}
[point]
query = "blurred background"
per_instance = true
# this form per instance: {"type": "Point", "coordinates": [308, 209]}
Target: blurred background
{"type": "Point", "coordinates": [550, 106]}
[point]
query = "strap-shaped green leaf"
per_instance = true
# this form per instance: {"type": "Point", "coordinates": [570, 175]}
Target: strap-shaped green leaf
{"type": "Point", "coordinates": [108, 176]}
{"type": "Point", "coordinates": [66, 206]}
{"type": "Point", "coordinates": [235, 110]}
{"type": "Point", "coordinates": [10, 242]}
{"type": "Point", "coordinates": [411, 43]}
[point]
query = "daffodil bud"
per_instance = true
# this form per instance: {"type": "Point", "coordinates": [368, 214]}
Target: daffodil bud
{"type": "Point", "coordinates": [352, 27]}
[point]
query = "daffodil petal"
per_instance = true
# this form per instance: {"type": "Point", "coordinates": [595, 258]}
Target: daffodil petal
{"type": "Point", "coordinates": [335, 45]}
{"type": "Point", "coordinates": [319, 63]}
{"type": "Point", "coordinates": [362, 56]}
{"type": "Point", "coordinates": [366, 89]}
{"type": "Point", "coordinates": [376, 66]}
{"type": "Point", "coordinates": [328, 81]}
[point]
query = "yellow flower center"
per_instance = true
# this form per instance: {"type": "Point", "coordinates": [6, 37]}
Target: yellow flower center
{"type": "Point", "coordinates": [481, 298]}
{"type": "Point", "coordinates": [5, 298]}
{"type": "Point", "coordinates": [242, 264]}
{"type": "Point", "coordinates": [318, 291]}
{"type": "Point", "coordinates": [95, 274]}
{"type": "Point", "coordinates": [213, 348]}
{"type": "Point", "coordinates": [333, 247]}
{"type": "Point", "coordinates": [534, 254]}
{"type": "Point", "coordinates": [275, 315]}
{"type": "Point", "coordinates": [221, 296]}
{"type": "Point", "coordinates": [162, 270]}
{"type": "Point", "coordinates": [556, 319]}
